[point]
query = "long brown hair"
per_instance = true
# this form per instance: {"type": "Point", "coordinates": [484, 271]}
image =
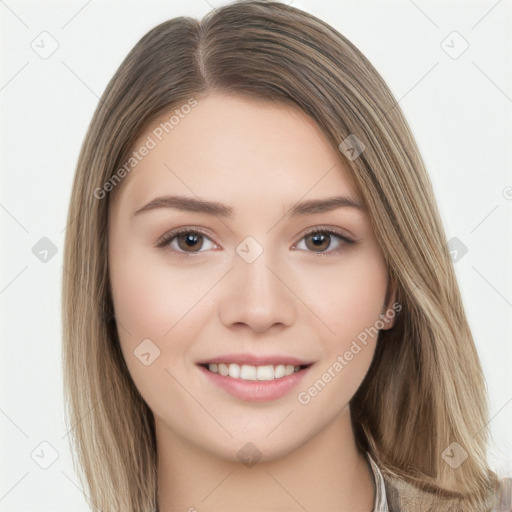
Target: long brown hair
{"type": "Point", "coordinates": [425, 387]}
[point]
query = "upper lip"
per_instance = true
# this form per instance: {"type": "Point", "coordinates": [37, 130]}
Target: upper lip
{"type": "Point", "coordinates": [256, 360]}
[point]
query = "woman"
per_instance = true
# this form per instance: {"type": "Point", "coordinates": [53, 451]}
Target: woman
{"type": "Point", "coordinates": [260, 312]}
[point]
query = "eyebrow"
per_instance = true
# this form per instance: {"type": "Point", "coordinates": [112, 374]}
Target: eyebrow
{"type": "Point", "coordinates": [192, 204]}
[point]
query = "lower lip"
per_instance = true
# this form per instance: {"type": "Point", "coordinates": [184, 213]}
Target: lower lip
{"type": "Point", "coordinates": [256, 390]}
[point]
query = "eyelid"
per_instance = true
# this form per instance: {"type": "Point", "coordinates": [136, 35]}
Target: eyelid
{"type": "Point", "coordinates": [329, 229]}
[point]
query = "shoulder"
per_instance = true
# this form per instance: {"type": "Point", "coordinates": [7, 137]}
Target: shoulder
{"type": "Point", "coordinates": [504, 496]}
{"type": "Point", "coordinates": [404, 497]}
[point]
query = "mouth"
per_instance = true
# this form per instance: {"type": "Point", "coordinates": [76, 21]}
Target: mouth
{"type": "Point", "coordinates": [255, 378]}
{"type": "Point", "coordinates": [249, 372]}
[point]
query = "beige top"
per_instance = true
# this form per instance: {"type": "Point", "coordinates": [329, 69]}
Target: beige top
{"type": "Point", "coordinates": [395, 495]}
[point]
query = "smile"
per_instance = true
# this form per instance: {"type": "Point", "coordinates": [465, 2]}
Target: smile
{"type": "Point", "coordinates": [251, 372]}
{"type": "Point", "coordinates": [255, 378]}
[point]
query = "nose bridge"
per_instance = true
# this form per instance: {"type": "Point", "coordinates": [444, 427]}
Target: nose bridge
{"type": "Point", "coordinates": [256, 295]}
{"type": "Point", "coordinates": [258, 277]}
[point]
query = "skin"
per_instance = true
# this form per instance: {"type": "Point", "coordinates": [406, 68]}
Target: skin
{"type": "Point", "coordinates": [259, 159]}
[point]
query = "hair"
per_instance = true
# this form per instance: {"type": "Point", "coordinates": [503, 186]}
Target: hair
{"type": "Point", "coordinates": [425, 387]}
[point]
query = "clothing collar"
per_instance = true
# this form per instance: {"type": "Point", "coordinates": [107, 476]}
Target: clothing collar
{"type": "Point", "coordinates": [381, 502]}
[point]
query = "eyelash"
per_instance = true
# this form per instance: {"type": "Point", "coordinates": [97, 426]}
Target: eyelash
{"type": "Point", "coordinates": [164, 241]}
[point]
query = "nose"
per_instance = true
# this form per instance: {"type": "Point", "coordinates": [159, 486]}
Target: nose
{"type": "Point", "coordinates": [257, 295]}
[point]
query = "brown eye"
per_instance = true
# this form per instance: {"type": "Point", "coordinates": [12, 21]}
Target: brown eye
{"type": "Point", "coordinates": [319, 241]}
{"type": "Point", "coordinates": [324, 242]}
{"type": "Point", "coordinates": [191, 240]}
{"type": "Point", "coordinates": [185, 242]}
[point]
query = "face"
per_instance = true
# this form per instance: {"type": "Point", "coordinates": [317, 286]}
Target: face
{"type": "Point", "coordinates": [240, 293]}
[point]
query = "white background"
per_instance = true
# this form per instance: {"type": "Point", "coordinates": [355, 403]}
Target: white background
{"type": "Point", "coordinates": [459, 110]}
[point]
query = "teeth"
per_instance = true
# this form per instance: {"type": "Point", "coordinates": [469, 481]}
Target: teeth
{"type": "Point", "coordinates": [234, 370]}
{"type": "Point", "coordinates": [247, 372]}
{"type": "Point", "coordinates": [250, 372]}
{"type": "Point", "coordinates": [279, 371]}
{"type": "Point", "coordinates": [265, 372]}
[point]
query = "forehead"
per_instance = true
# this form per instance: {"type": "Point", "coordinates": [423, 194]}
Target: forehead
{"type": "Point", "coordinates": [234, 147]}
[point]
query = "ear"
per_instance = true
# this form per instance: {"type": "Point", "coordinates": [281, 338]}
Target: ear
{"type": "Point", "coordinates": [390, 309]}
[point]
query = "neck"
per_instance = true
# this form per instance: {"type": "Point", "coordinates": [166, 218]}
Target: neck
{"type": "Point", "coordinates": [327, 472]}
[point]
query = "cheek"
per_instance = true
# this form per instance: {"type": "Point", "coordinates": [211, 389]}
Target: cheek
{"type": "Point", "coordinates": [157, 302]}
{"type": "Point", "coordinates": [151, 306]}
{"type": "Point", "coordinates": [349, 301]}
{"type": "Point", "coordinates": [347, 297]}
{"type": "Point", "coordinates": [150, 296]}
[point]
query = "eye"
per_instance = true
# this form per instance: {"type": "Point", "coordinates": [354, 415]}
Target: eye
{"type": "Point", "coordinates": [184, 240]}
{"type": "Point", "coordinates": [189, 241]}
{"type": "Point", "coordinates": [320, 239]}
